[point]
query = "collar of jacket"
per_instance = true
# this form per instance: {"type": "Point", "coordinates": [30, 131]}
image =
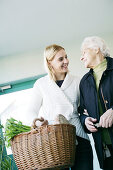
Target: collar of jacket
{"type": "Point", "coordinates": [66, 83]}
{"type": "Point", "coordinates": [109, 65]}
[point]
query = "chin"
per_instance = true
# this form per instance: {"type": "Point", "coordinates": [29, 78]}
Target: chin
{"type": "Point", "coordinates": [86, 65]}
{"type": "Point", "coordinates": [65, 70]}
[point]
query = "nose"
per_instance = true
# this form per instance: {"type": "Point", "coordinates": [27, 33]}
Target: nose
{"type": "Point", "coordinates": [66, 60]}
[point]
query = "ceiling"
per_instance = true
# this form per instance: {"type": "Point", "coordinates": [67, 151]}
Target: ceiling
{"type": "Point", "coordinates": [27, 25]}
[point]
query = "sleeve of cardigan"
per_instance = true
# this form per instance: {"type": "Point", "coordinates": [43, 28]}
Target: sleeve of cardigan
{"type": "Point", "coordinates": [35, 100]}
{"type": "Point", "coordinates": [81, 110]}
{"type": "Point", "coordinates": [32, 108]}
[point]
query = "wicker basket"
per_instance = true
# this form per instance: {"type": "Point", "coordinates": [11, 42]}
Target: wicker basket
{"type": "Point", "coordinates": [46, 147]}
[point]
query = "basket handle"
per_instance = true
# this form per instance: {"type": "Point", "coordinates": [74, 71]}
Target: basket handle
{"type": "Point", "coordinates": [44, 122]}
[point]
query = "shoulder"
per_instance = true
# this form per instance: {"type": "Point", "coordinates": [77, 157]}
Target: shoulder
{"type": "Point", "coordinates": [76, 79]}
{"type": "Point", "coordinates": [109, 63]}
{"type": "Point", "coordinates": [41, 81]}
{"type": "Point", "coordinates": [85, 77]}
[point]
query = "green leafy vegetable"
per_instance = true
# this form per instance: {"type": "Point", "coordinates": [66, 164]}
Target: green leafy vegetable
{"type": "Point", "coordinates": [5, 160]}
{"type": "Point", "coordinates": [6, 163]}
{"type": "Point", "coordinates": [1, 126]}
{"type": "Point", "coordinates": [13, 128]}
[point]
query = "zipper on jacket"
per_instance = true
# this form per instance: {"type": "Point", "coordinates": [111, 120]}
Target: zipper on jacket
{"type": "Point", "coordinates": [95, 94]}
{"type": "Point", "coordinates": [105, 101]}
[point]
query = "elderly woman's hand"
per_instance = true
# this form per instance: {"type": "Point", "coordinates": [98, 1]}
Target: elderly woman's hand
{"type": "Point", "coordinates": [106, 120]}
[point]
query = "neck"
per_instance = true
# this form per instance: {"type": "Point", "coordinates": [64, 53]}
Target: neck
{"type": "Point", "coordinates": [98, 60]}
{"type": "Point", "coordinates": [60, 76]}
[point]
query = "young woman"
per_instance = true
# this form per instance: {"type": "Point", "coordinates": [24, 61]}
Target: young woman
{"type": "Point", "coordinates": [58, 93]}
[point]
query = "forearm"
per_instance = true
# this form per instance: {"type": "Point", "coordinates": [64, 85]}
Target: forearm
{"type": "Point", "coordinates": [82, 119]}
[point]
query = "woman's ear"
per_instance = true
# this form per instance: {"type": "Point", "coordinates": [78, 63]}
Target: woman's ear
{"type": "Point", "coordinates": [49, 63]}
{"type": "Point", "coordinates": [97, 50]}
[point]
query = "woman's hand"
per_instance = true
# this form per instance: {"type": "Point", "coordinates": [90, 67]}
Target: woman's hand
{"type": "Point", "coordinates": [89, 122]}
{"type": "Point", "coordinates": [106, 120]}
{"type": "Point", "coordinates": [43, 121]}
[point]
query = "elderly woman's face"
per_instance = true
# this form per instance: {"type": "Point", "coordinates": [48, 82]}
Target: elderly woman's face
{"type": "Point", "coordinates": [89, 57]}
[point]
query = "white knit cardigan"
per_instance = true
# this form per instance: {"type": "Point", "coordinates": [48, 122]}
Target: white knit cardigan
{"type": "Point", "coordinates": [49, 100]}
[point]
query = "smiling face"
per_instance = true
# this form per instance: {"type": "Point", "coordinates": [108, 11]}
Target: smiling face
{"type": "Point", "coordinates": [59, 63]}
{"type": "Point", "coordinates": [89, 57]}
{"type": "Point", "coordinates": [94, 50]}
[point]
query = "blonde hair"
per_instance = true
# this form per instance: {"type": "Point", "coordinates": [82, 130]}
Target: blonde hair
{"type": "Point", "coordinates": [95, 42]}
{"type": "Point", "coordinates": [49, 54]}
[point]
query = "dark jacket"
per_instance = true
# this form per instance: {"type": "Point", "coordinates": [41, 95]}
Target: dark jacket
{"type": "Point", "coordinates": [89, 101]}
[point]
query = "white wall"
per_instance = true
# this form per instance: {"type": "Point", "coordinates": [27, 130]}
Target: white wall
{"type": "Point", "coordinates": [21, 66]}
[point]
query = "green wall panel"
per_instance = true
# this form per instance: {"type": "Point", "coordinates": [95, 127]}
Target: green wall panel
{"type": "Point", "coordinates": [20, 85]}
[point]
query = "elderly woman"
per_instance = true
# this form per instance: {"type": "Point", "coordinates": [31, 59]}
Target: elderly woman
{"type": "Point", "coordinates": [58, 93]}
{"type": "Point", "coordinates": [96, 98]}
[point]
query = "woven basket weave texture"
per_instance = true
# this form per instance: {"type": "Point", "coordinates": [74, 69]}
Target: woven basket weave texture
{"type": "Point", "coordinates": [46, 147]}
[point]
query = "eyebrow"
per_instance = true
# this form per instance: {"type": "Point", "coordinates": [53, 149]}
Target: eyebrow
{"type": "Point", "coordinates": [63, 56]}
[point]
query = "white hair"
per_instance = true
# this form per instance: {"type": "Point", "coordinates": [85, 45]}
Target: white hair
{"type": "Point", "coordinates": [95, 42]}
